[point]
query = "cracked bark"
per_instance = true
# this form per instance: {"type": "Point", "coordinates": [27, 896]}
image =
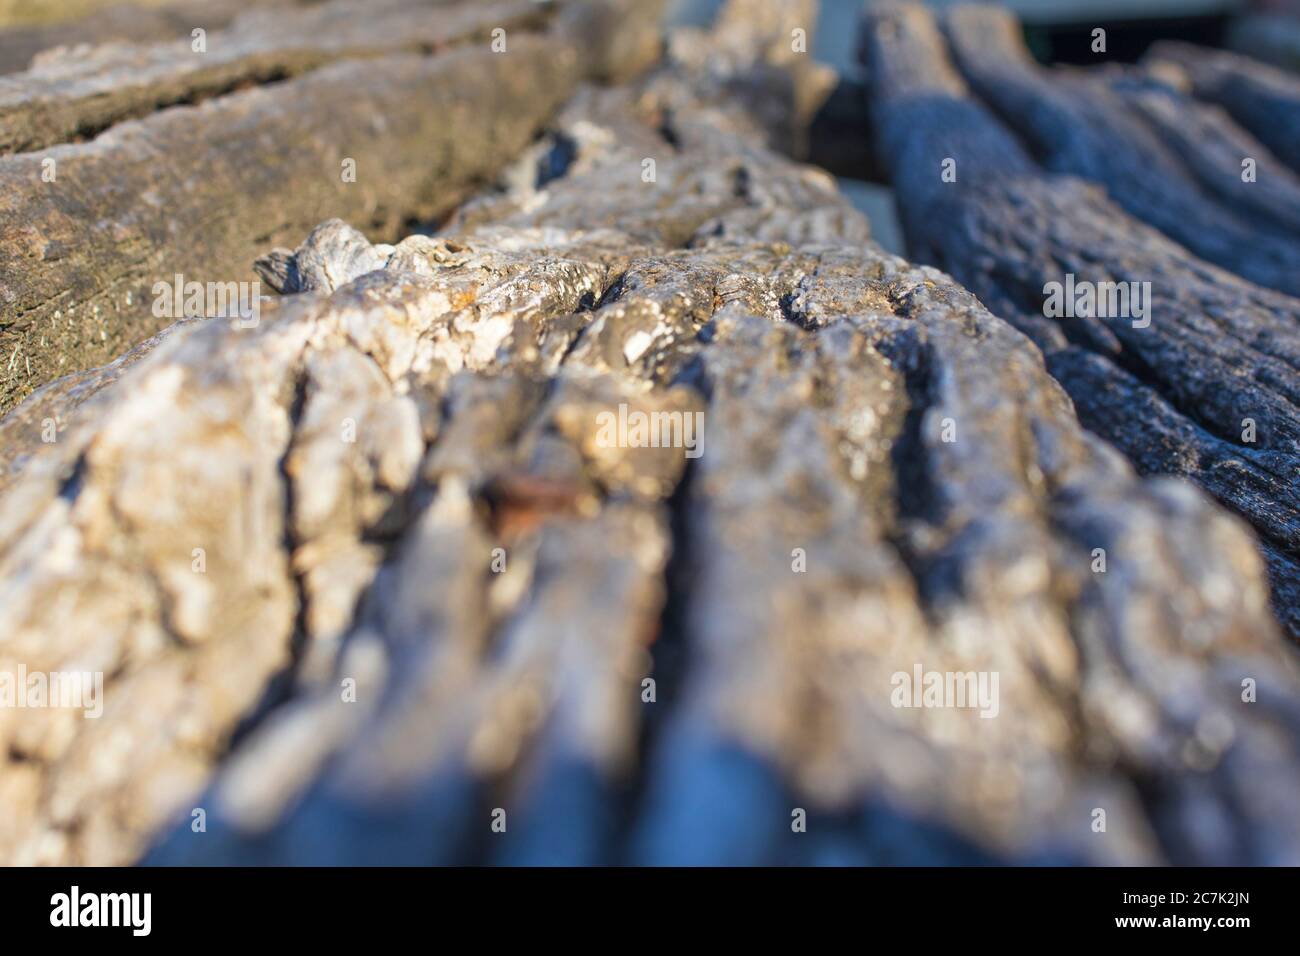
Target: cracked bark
{"type": "Point", "coordinates": [1173, 396]}
{"type": "Point", "coordinates": [436, 127]}
{"type": "Point", "coordinates": [1084, 124]}
{"type": "Point", "coordinates": [472, 368]}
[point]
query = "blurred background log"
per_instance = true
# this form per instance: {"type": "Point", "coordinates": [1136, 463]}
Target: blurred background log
{"type": "Point", "coordinates": [122, 23]}
{"type": "Point", "coordinates": [201, 191]}
{"type": "Point", "coordinates": [1172, 394]}
{"type": "Point", "coordinates": [1263, 100]}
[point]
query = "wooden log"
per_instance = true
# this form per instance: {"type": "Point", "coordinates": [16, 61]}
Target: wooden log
{"type": "Point", "coordinates": [1226, 160]}
{"type": "Point", "coordinates": [120, 23]}
{"type": "Point", "coordinates": [73, 97]}
{"type": "Point", "coordinates": [683, 650]}
{"type": "Point", "coordinates": [1181, 395]}
{"type": "Point", "coordinates": [201, 191]}
{"type": "Point", "coordinates": [1080, 124]}
{"type": "Point", "coordinates": [1263, 99]}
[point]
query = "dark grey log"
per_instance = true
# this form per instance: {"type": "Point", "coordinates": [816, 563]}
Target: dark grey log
{"type": "Point", "coordinates": [1179, 396]}
{"type": "Point", "coordinates": [1158, 439]}
{"type": "Point", "coordinates": [1263, 99]}
{"type": "Point", "coordinates": [1080, 124]}
{"type": "Point", "coordinates": [1226, 160]}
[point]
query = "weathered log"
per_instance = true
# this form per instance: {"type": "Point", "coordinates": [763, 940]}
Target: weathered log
{"type": "Point", "coordinates": [120, 23]}
{"type": "Point", "coordinates": [1224, 158]}
{"type": "Point", "coordinates": [1209, 389]}
{"type": "Point", "coordinates": [1261, 98]}
{"type": "Point", "coordinates": [80, 256]}
{"type": "Point", "coordinates": [72, 97]}
{"type": "Point", "coordinates": [1080, 124]}
{"type": "Point", "coordinates": [888, 479]}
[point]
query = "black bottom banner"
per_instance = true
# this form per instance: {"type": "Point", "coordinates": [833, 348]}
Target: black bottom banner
{"type": "Point", "coordinates": [334, 906]}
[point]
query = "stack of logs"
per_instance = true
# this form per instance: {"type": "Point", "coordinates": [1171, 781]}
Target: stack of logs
{"type": "Point", "coordinates": [368, 583]}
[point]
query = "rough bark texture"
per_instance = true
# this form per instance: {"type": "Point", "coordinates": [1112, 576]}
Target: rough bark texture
{"type": "Point", "coordinates": [79, 256]}
{"type": "Point", "coordinates": [359, 675]}
{"type": "Point", "coordinates": [1175, 396]}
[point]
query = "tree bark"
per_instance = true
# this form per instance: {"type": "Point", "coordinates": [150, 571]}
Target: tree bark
{"type": "Point", "coordinates": [1084, 124]}
{"type": "Point", "coordinates": [80, 256]}
{"type": "Point", "coordinates": [435, 589]}
{"type": "Point", "coordinates": [1208, 390]}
